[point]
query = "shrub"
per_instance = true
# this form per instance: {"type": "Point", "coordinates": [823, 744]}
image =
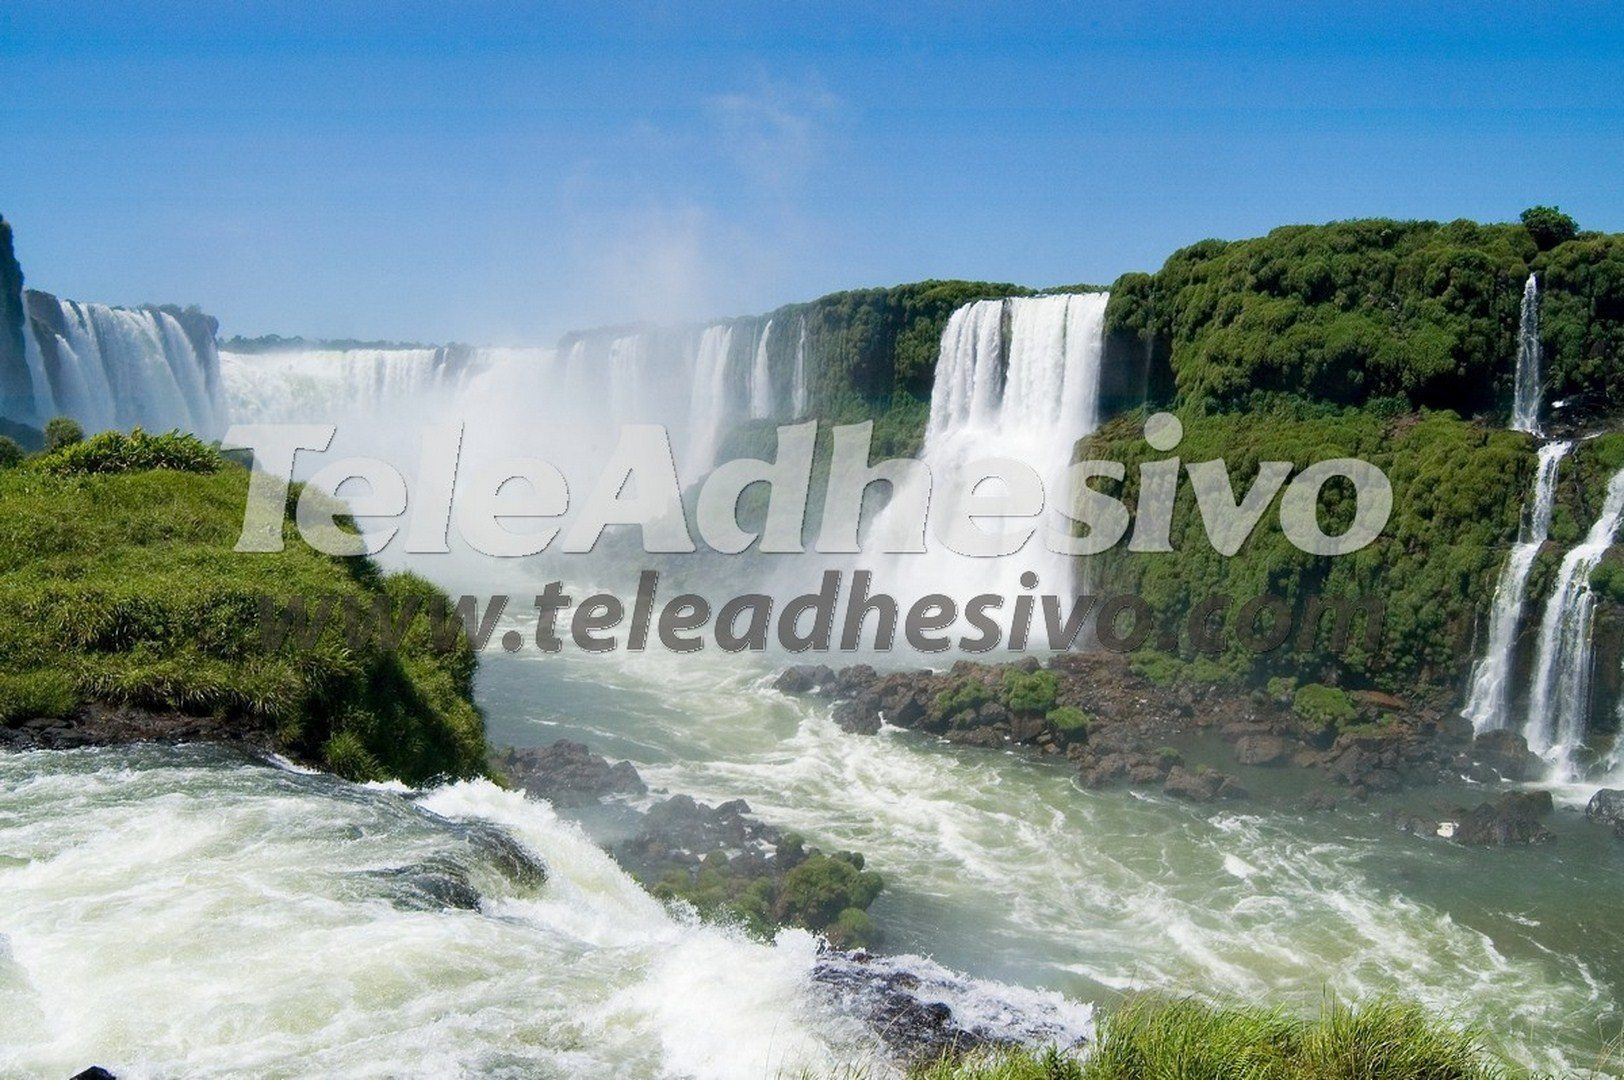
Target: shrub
{"type": "Point", "coordinates": [1070, 719]}
{"type": "Point", "coordinates": [1322, 707]}
{"type": "Point", "coordinates": [116, 452]}
{"type": "Point", "coordinates": [816, 892]}
{"type": "Point", "coordinates": [854, 929]}
{"type": "Point", "coordinates": [961, 697]}
{"type": "Point", "coordinates": [38, 693]}
{"type": "Point", "coordinates": [11, 452]}
{"type": "Point", "coordinates": [1029, 692]}
{"type": "Point", "coordinates": [62, 431]}
{"type": "Point", "coordinates": [1549, 226]}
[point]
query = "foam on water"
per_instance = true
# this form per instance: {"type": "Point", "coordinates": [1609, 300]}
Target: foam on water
{"type": "Point", "coordinates": [186, 910]}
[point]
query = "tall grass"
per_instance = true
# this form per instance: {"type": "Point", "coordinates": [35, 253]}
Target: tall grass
{"type": "Point", "coordinates": [1154, 1038]}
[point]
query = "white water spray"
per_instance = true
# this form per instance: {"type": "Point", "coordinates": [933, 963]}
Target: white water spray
{"type": "Point", "coordinates": [1487, 706]}
{"type": "Point", "coordinates": [1031, 400]}
{"type": "Point", "coordinates": [799, 397]}
{"type": "Point", "coordinates": [1559, 704]}
{"type": "Point", "coordinates": [1530, 356]}
{"type": "Point", "coordinates": [761, 378]}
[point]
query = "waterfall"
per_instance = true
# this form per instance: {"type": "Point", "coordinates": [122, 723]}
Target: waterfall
{"type": "Point", "coordinates": [708, 411]}
{"type": "Point", "coordinates": [1559, 703]}
{"type": "Point", "coordinates": [331, 384]}
{"type": "Point", "coordinates": [1028, 394]}
{"type": "Point", "coordinates": [761, 378]}
{"type": "Point", "coordinates": [1530, 355]}
{"type": "Point", "coordinates": [121, 367]}
{"type": "Point", "coordinates": [1487, 703]}
{"type": "Point", "coordinates": [798, 389]}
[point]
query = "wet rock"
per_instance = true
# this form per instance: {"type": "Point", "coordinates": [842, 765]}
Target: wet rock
{"type": "Point", "coordinates": [95, 1072]}
{"type": "Point", "coordinates": [1319, 802]}
{"type": "Point", "coordinates": [1606, 807]}
{"type": "Point", "coordinates": [1512, 819]}
{"type": "Point", "coordinates": [567, 773]}
{"type": "Point", "coordinates": [1195, 785]}
{"type": "Point", "coordinates": [499, 850]}
{"type": "Point", "coordinates": [432, 885]}
{"type": "Point", "coordinates": [1261, 750]}
{"type": "Point", "coordinates": [805, 679]}
{"type": "Point", "coordinates": [1506, 755]}
{"type": "Point", "coordinates": [858, 715]}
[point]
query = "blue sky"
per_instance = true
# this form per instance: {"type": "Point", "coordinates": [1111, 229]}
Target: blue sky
{"type": "Point", "coordinates": [501, 173]}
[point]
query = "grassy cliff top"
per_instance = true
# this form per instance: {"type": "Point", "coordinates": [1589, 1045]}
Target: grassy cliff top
{"type": "Point", "coordinates": [119, 585]}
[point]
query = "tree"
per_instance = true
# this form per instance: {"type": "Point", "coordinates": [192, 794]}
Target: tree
{"type": "Point", "coordinates": [62, 431]}
{"type": "Point", "coordinates": [10, 452]}
{"type": "Point", "coordinates": [1549, 226]}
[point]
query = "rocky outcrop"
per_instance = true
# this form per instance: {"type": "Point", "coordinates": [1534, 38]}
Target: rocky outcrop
{"type": "Point", "coordinates": [1512, 819]}
{"type": "Point", "coordinates": [114, 725]}
{"type": "Point", "coordinates": [1606, 807]}
{"type": "Point", "coordinates": [16, 388]}
{"type": "Point", "coordinates": [722, 859]}
{"type": "Point", "coordinates": [567, 773]}
{"type": "Point", "coordinates": [1115, 724]}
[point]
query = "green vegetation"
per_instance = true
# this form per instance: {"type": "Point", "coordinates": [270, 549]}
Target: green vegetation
{"type": "Point", "coordinates": [1070, 719]}
{"type": "Point", "coordinates": [62, 431]}
{"type": "Point", "coordinates": [116, 452]}
{"type": "Point", "coordinates": [11, 454]}
{"type": "Point", "coordinates": [118, 584]}
{"type": "Point", "coordinates": [1030, 692]}
{"type": "Point", "coordinates": [825, 893]}
{"type": "Point", "coordinates": [1356, 311]}
{"type": "Point", "coordinates": [964, 696]}
{"type": "Point", "coordinates": [1322, 708]}
{"type": "Point", "coordinates": [1156, 1037]}
{"type": "Point", "coordinates": [1457, 493]}
{"type": "Point", "coordinates": [1549, 226]}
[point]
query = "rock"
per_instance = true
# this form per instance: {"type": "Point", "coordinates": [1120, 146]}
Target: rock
{"type": "Point", "coordinates": [1510, 819]}
{"type": "Point", "coordinates": [506, 854]}
{"type": "Point", "coordinates": [1197, 786]}
{"type": "Point", "coordinates": [431, 885]}
{"type": "Point", "coordinates": [1378, 700]}
{"type": "Point", "coordinates": [1606, 807]}
{"type": "Point", "coordinates": [1506, 754]}
{"type": "Point", "coordinates": [1261, 750]}
{"type": "Point", "coordinates": [1319, 801]}
{"type": "Point", "coordinates": [858, 715]}
{"type": "Point", "coordinates": [567, 773]}
{"type": "Point", "coordinates": [804, 679]}
{"type": "Point", "coordinates": [95, 1072]}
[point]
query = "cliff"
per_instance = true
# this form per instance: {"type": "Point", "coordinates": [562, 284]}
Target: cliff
{"type": "Point", "coordinates": [16, 389]}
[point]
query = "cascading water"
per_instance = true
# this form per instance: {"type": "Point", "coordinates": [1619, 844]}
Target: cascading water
{"type": "Point", "coordinates": [1029, 400]}
{"type": "Point", "coordinates": [708, 404]}
{"type": "Point", "coordinates": [1487, 705]}
{"type": "Point", "coordinates": [1559, 702]}
{"type": "Point", "coordinates": [1530, 355]}
{"type": "Point", "coordinates": [761, 378]}
{"type": "Point", "coordinates": [798, 388]}
{"type": "Point", "coordinates": [121, 367]}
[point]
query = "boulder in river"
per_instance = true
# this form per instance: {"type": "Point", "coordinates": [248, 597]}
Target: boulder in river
{"type": "Point", "coordinates": [567, 773]}
{"type": "Point", "coordinates": [1512, 819]}
{"type": "Point", "coordinates": [1606, 807]}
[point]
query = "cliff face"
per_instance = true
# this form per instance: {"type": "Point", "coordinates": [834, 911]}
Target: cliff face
{"type": "Point", "coordinates": [16, 389]}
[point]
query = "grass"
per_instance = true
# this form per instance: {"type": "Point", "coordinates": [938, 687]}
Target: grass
{"type": "Point", "coordinates": [1154, 1038]}
{"type": "Point", "coordinates": [118, 584]}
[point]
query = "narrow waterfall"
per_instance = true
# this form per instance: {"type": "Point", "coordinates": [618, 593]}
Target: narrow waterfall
{"type": "Point", "coordinates": [708, 405]}
{"type": "Point", "coordinates": [1530, 362]}
{"type": "Point", "coordinates": [1487, 705]}
{"type": "Point", "coordinates": [798, 388]}
{"type": "Point", "coordinates": [1028, 394]}
{"type": "Point", "coordinates": [121, 367]}
{"type": "Point", "coordinates": [1559, 703]}
{"type": "Point", "coordinates": [761, 378]}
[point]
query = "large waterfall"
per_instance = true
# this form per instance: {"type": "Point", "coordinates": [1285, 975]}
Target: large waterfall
{"type": "Point", "coordinates": [761, 377]}
{"type": "Point", "coordinates": [1019, 379]}
{"type": "Point", "coordinates": [1530, 355]}
{"type": "Point", "coordinates": [1487, 706]}
{"type": "Point", "coordinates": [1559, 703]}
{"type": "Point", "coordinates": [121, 367]}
